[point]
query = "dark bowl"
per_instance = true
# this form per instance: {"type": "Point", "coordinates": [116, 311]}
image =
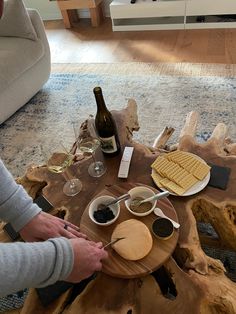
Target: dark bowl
{"type": "Point", "coordinates": [162, 228]}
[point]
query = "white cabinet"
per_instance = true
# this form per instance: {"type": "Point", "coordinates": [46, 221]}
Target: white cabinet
{"type": "Point", "coordinates": [170, 14]}
{"type": "Point", "coordinates": [214, 12]}
{"type": "Point", "coordinates": [147, 14]}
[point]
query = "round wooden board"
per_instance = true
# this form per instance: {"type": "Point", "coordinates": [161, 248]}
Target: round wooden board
{"type": "Point", "coordinates": [117, 266]}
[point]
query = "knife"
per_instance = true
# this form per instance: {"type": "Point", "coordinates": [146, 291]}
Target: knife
{"type": "Point", "coordinates": [112, 242]}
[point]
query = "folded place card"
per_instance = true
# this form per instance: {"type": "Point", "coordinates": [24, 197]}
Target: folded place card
{"type": "Point", "coordinates": [219, 176]}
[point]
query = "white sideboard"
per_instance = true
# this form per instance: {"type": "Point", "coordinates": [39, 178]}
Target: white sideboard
{"type": "Point", "coordinates": [172, 14]}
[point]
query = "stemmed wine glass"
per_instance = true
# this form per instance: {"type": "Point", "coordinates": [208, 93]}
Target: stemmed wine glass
{"type": "Point", "coordinates": [59, 162]}
{"type": "Point", "coordinates": [89, 144]}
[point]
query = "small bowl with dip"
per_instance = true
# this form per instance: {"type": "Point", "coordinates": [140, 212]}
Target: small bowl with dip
{"type": "Point", "coordinates": [140, 193]}
{"type": "Point", "coordinates": [163, 228]}
{"type": "Point", "coordinates": [104, 215]}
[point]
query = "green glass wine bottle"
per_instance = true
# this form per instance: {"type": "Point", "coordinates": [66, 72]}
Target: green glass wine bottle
{"type": "Point", "coordinates": [106, 126]}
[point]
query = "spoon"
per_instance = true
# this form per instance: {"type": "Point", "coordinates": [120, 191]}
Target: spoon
{"type": "Point", "coordinates": [158, 196]}
{"type": "Point", "coordinates": [117, 200]}
{"type": "Point", "coordinates": [159, 212]}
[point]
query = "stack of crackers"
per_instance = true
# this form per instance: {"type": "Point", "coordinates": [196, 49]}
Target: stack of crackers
{"type": "Point", "coordinates": [178, 171]}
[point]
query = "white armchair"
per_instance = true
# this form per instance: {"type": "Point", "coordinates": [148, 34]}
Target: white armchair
{"type": "Point", "coordinates": [24, 64]}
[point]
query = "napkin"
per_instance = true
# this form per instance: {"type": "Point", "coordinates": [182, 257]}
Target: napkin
{"type": "Point", "coordinates": [219, 177]}
{"type": "Point", "coordinates": [50, 293]}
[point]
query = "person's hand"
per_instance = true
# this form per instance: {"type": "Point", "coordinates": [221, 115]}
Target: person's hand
{"type": "Point", "coordinates": [87, 259]}
{"type": "Point", "coordinates": [44, 226]}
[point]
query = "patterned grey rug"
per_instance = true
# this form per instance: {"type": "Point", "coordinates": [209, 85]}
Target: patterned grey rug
{"type": "Point", "coordinates": [163, 100]}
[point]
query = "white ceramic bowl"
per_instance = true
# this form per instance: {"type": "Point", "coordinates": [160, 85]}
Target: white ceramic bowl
{"type": "Point", "coordinates": [144, 192]}
{"type": "Point", "coordinates": [104, 199]}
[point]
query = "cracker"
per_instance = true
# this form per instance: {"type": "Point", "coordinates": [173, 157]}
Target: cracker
{"type": "Point", "coordinates": [169, 185]}
{"type": "Point", "coordinates": [158, 162]}
{"type": "Point", "coordinates": [156, 178]}
{"type": "Point", "coordinates": [201, 172]}
{"type": "Point", "coordinates": [178, 171]}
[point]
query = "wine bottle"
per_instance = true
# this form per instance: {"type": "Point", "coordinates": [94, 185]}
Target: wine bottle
{"type": "Point", "coordinates": [106, 126]}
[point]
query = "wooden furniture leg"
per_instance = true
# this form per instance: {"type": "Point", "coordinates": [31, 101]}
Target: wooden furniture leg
{"type": "Point", "coordinates": [69, 16]}
{"type": "Point", "coordinates": [96, 15]}
{"type": "Point", "coordinates": [69, 9]}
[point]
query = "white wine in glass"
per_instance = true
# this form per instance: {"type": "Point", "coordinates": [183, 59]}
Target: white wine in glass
{"type": "Point", "coordinates": [62, 165]}
{"type": "Point", "coordinates": [59, 163]}
{"type": "Point", "coordinates": [90, 144]}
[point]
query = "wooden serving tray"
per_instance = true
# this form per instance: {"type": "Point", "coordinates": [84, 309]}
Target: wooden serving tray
{"type": "Point", "coordinates": [117, 266]}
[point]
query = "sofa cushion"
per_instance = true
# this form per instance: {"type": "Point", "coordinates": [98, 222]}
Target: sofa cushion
{"type": "Point", "coordinates": [15, 21]}
{"type": "Point", "coordinates": [16, 56]}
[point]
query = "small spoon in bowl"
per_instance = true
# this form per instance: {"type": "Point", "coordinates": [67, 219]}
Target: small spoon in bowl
{"type": "Point", "coordinates": [115, 201]}
{"type": "Point", "coordinates": [159, 212]}
{"type": "Point", "coordinates": [137, 202]}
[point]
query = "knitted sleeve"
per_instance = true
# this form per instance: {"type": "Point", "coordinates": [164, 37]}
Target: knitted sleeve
{"type": "Point", "coordinates": [16, 206]}
{"type": "Point", "coordinates": [38, 264]}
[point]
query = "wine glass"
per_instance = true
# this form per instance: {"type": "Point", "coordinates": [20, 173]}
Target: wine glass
{"type": "Point", "coordinates": [59, 162]}
{"type": "Point", "coordinates": [89, 144]}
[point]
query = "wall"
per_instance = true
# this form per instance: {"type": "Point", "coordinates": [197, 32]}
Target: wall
{"type": "Point", "coordinates": [49, 9]}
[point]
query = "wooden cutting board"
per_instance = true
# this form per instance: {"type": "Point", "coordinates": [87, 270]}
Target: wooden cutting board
{"type": "Point", "coordinates": [116, 265]}
{"type": "Point", "coordinates": [137, 242]}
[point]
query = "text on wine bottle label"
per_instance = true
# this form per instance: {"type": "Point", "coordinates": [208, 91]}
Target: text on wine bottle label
{"type": "Point", "coordinates": [108, 144]}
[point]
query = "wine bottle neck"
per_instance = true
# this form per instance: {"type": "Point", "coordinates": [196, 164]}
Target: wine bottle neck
{"type": "Point", "coordinates": [101, 106]}
{"type": "Point", "coordinates": [100, 102]}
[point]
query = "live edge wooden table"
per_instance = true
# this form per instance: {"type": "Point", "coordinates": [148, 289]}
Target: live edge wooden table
{"type": "Point", "coordinates": [198, 281]}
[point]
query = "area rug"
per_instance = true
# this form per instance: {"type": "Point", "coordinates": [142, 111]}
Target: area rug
{"type": "Point", "coordinates": [164, 93]}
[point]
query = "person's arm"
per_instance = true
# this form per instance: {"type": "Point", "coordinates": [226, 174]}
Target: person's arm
{"type": "Point", "coordinates": [39, 264]}
{"type": "Point", "coordinates": [16, 206]}
{"type": "Point", "coordinates": [24, 265]}
{"type": "Point", "coordinates": [28, 265]}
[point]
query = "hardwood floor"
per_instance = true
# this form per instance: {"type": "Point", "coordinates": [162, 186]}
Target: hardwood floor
{"type": "Point", "coordinates": [84, 43]}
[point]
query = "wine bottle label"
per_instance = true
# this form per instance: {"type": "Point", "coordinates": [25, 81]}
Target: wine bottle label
{"type": "Point", "coordinates": [108, 144]}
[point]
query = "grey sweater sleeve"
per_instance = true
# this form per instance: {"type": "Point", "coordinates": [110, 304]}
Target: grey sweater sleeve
{"type": "Point", "coordinates": [15, 204]}
{"type": "Point", "coordinates": [39, 264]}
{"type": "Point", "coordinates": [24, 265]}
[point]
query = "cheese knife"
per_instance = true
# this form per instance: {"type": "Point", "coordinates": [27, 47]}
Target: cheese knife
{"type": "Point", "coordinates": [112, 242]}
